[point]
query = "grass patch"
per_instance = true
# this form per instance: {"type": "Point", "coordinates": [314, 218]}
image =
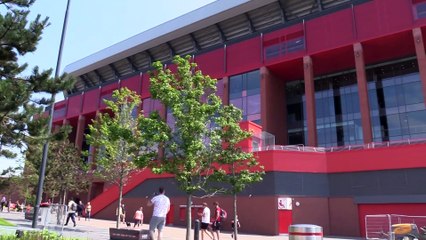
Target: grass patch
{"type": "Point", "coordinates": [5, 223]}
{"type": "Point", "coordinates": [37, 235]}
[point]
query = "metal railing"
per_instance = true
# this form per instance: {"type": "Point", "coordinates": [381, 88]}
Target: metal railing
{"type": "Point", "coordinates": [380, 226]}
{"type": "Point", "coordinates": [373, 145]}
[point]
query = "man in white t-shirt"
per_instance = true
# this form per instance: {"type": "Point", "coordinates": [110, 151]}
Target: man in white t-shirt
{"type": "Point", "coordinates": [161, 205]}
{"type": "Point", "coordinates": [205, 222]}
{"type": "Point", "coordinates": [72, 208]}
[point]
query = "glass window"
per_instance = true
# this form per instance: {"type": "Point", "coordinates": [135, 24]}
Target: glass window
{"type": "Point", "coordinates": [149, 105]}
{"type": "Point", "coordinates": [253, 104]}
{"type": "Point", "coordinates": [244, 93]}
{"type": "Point", "coordinates": [396, 98]}
{"type": "Point", "coordinates": [235, 86]}
{"type": "Point", "coordinates": [390, 98]}
{"type": "Point", "coordinates": [416, 121]}
{"type": "Point", "coordinates": [411, 93]}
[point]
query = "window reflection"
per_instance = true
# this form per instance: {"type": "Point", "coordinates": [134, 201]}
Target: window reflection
{"type": "Point", "coordinates": [244, 93]}
{"type": "Point", "coordinates": [337, 111]}
{"type": "Point", "coordinates": [396, 102]}
{"type": "Point", "coordinates": [150, 105]}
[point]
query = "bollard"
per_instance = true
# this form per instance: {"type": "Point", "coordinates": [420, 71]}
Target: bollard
{"type": "Point", "coordinates": [305, 232]}
{"type": "Point", "coordinates": [197, 230]}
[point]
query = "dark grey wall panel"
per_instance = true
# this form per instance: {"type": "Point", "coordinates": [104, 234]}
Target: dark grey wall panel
{"type": "Point", "coordinates": [374, 183]}
{"type": "Point", "coordinates": [150, 187]}
{"type": "Point", "coordinates": [402, 182]}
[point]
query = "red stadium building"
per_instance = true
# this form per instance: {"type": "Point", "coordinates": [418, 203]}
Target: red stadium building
{"type": "Point", "coordinates": [340, 85]}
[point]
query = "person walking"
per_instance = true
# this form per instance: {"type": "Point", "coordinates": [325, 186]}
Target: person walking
{"type": "Point", "coordinates": [121, 212]}
{"type": "Point", "coordinates": [80, 209]}
{"type": "Point", "coordinates": [205, 222]}
{"type": "Point", "coordinates": [72, 208]}
{"type": "Point", "coordinates": [3, 202]}
{"type": "Point", "coordinates": [161, 205]}
{"type": "Point", "coordinates": [234, 223]}
{"type": "Point", "coordinates": [216, 220]}
{"type": "Point", "coordinates": [88, 211]}
{"type": "Point", "coordinates": [138, 217]}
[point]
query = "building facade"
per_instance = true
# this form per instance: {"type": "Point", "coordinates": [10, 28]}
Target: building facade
{"type": "Point", "coordinates": [340, 84]}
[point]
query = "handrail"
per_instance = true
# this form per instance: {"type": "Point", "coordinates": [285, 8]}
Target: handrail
{"type": "Point", "coordinates": [303, 148]}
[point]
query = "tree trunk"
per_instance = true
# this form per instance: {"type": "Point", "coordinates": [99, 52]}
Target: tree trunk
{"type": "Point", "coordinates": [120, 198]}
{"type": "Point", "coordinates": [235, 218]}
{"type": "Point", "coordinates": [188, 216]}
{"type": "Point", "coordinates": [64, 197]}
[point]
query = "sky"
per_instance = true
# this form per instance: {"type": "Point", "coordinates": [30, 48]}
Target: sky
{"type": "Point", "coordinates": [94, 25]}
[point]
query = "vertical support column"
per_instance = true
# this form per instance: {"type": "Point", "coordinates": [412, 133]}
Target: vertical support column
{"type": "Point", "coordinates": [80, 132]}
{"type": "Point", "coordinates": [308, 72]}
{"type": "Point", "coordinates": [92, 164]}
{"type": "Point", "coordinates": [273, 106]}
{"type": "Point", "coordinates": [421, 57]}
{"type": "Point", "coordinates": [363, 93]}
{"type": "Point", "coordinates": [225, 82]}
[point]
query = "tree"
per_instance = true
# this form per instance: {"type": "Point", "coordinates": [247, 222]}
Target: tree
{"type": "Point", "coordinates": [65, 171]}
{"type": "Point", "coordinates": [116, 138]}
{"type": "Point", "coordinates": [10, 182]}
{"type": "Point", "coordinates": [238, 167]}
{"type": "Point", "coordinates": [18, 104]}
{"type": "Point", "coordinates": [192, 145]}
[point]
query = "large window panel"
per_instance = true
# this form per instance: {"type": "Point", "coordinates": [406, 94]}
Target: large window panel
{"type": "Point", "coordinates": [416, 121]}
{"type": "Point", "coordinates": [244, 93]}
{"type": "Point", "coordinates": [411, 93]}
{"type": "Point", "coordinates": [391, 99]}
{"type": "Point", "coordinates": [396, 98]}
{"type": "Point", "coordinates": [150, 105]}
{"type": "Point", "coordinates": [235, 87]}
{"type": "Point", "coordinates": [253, 104]}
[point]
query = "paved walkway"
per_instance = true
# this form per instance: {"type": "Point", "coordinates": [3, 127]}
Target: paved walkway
{"type": "Point", "coordinates": [99, 229]}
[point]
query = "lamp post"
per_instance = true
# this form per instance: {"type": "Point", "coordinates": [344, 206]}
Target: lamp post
{"type": "Point", "coordinates": [51, 111]}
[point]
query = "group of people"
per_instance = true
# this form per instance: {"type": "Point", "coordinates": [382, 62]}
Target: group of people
{"type": "Point", "coordinates": [137, 216]}
{"type": "Point", "coordinates": [79, 210]}
{"type": "Point", "coordinates": [210, 226]}
{"type": "Point", "coordinates": [211, 223]}
{"type": "Point", "coordinates": [4, 203]}
{"type": "Point", "coordinates": [161, 206]}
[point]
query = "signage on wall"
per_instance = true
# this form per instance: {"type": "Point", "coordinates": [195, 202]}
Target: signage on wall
{"type": "Point", "coordinates": [284, 204]}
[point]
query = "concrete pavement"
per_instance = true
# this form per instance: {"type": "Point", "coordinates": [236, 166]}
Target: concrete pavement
{"type": "Point", "coordinates": [99, 229]}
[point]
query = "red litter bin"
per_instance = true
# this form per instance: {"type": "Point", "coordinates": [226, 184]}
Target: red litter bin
{"type": "Point", "coordinates": [305, 232]}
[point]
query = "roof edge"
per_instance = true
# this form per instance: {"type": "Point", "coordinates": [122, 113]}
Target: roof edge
{"type": "Point", "coordinates": [192, 21]}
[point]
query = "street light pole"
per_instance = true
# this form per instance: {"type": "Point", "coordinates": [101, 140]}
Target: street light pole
{"type": "Point", "coordinates": [51, 111]}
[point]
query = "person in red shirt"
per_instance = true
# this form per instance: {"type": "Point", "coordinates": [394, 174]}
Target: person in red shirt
{"type": "Point", "coordinates": [216, 221]}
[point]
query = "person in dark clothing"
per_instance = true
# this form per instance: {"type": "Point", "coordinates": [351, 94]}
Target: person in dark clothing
{"type": "Point", "coordinates": [80, 209]}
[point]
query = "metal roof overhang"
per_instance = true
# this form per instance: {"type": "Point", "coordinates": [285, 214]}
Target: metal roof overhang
{"type": "Point", "coordinates": [210, 14]}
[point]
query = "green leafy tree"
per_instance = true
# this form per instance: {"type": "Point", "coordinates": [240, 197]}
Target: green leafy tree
{"type": "Point", "coordinates": [18, 103]}
{"type": "Point", "coordinates": [237, 167]}
{"type": "Point", "coordinates": [116, 137]}
{"type": "Point", "coordinates": [65, 170]}
{"type": "Point", "coordinates": [10, 182]}
{"type": "Point", "coordinates": [191, 147]}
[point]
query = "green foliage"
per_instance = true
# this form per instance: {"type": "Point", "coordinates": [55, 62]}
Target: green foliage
{"type": "Point", "coordinates": [18, 105]}
{"type": "Point", "coordinates": [65, 170]}
{"type": "Point", "coordinates": [37, 235]}
{"type": "Point", "coordinates": [202, 145]}
{"type": "Point", "coordinates": [238, 168]}
{"type": "Point", "coordinates": [117, 138]}
{"type": "Point", "coordinates": [5, 223]}
{"type": "Point", "coordinates": [205, 132]}
{"type": "Point", "coordinates": [191, 145]}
